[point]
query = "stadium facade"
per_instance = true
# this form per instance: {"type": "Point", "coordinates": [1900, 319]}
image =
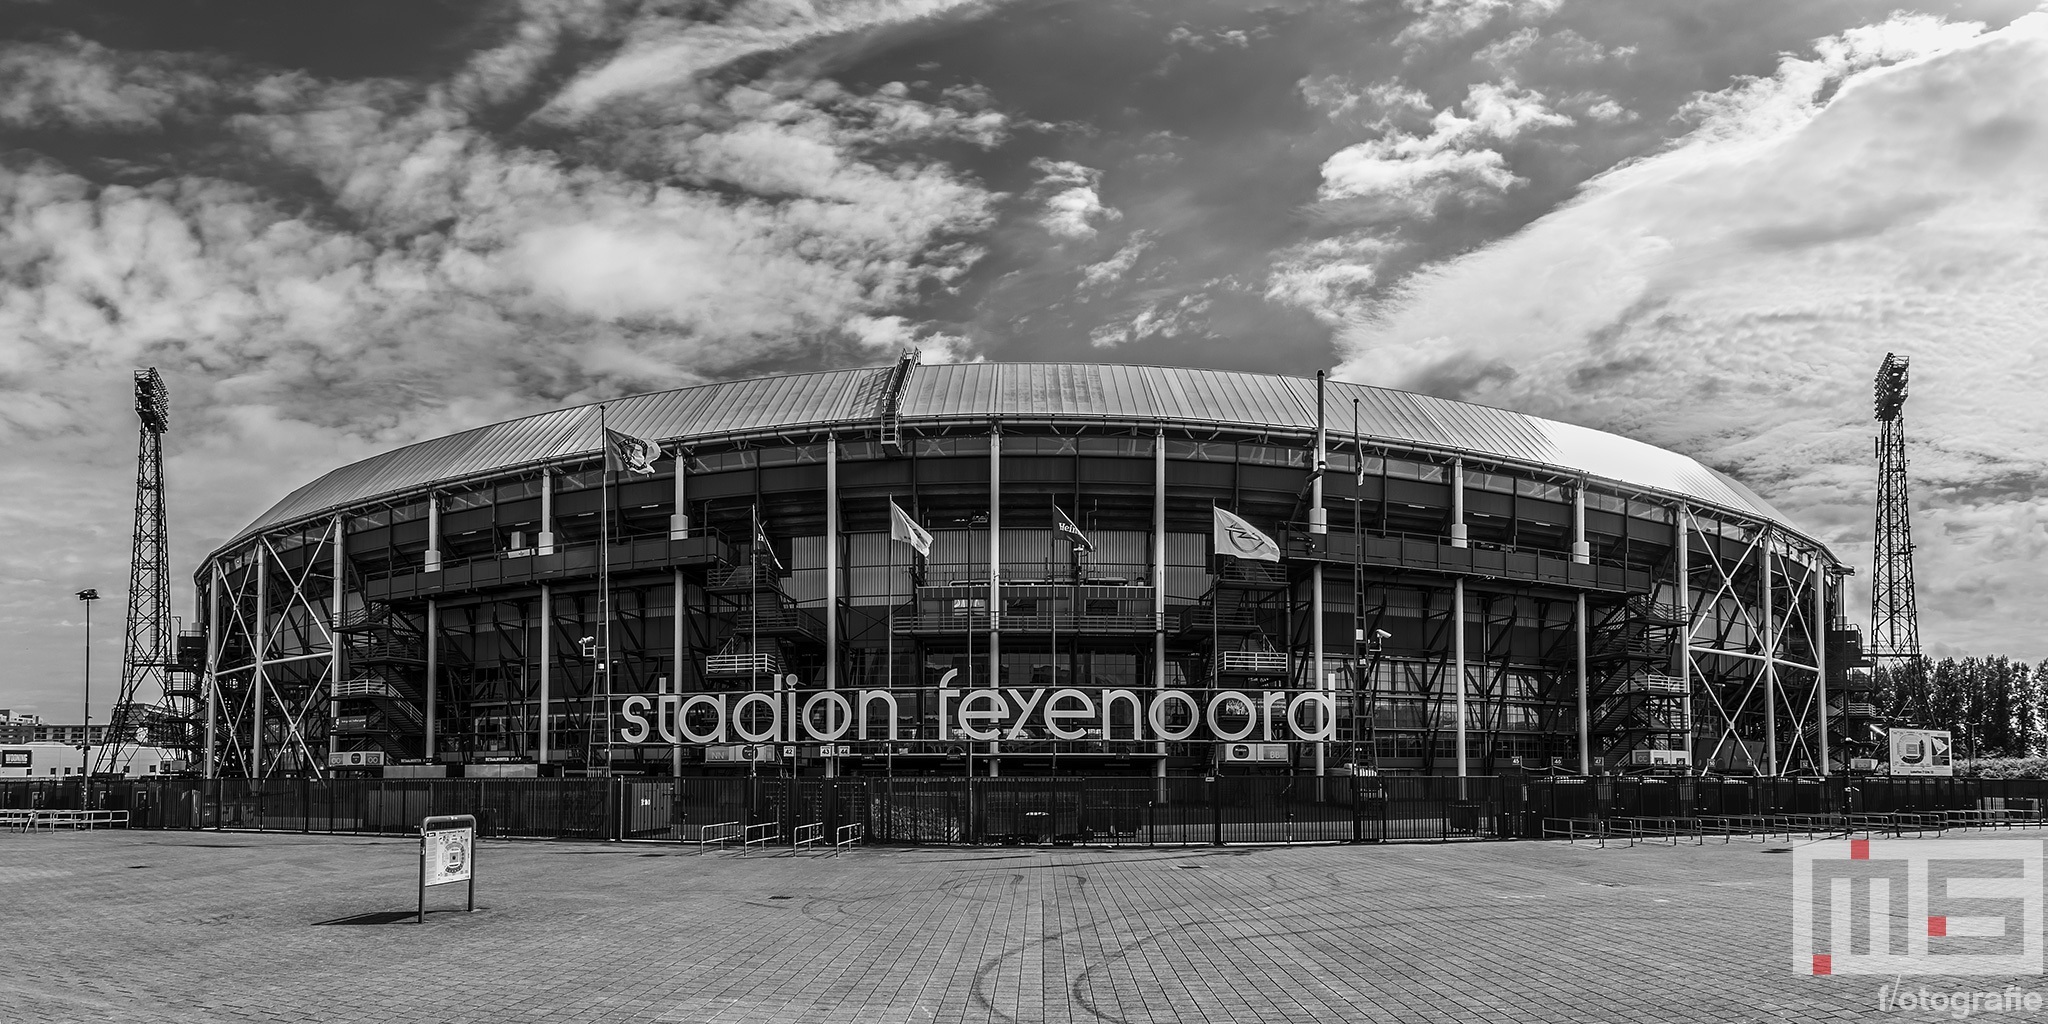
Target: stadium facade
{"type": "Point", "coordinates": [1449, 589]}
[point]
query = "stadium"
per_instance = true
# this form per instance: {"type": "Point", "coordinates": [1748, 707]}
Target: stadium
{"type": "Point", "coordinates": [1094, 570]}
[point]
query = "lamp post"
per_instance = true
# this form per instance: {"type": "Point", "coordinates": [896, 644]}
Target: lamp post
{"type": "Point", "coordinates": [88, 595]}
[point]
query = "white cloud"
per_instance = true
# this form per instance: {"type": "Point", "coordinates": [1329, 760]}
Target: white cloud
{"type": "Point", "coordinates": [664, 56]}
{"type": "Point", "coordinates": [1331, 278]}
{"type": "Point", "coordinates": [1073, 208]}
{"type": "Point", "coordinates": [1183, 317]}
{"type": "Point", "coordinates": [80, 84]}
{"type": "Point", "coordinates": [1112, 270]}
{"type": "Point", "coordinates": [1412, 173]}
{"type": "Point", "coordinates": [1731, 297]}
{"type": "Point", "coordinates": [1441, 20]}
{"type": "Point", "coordinates": [438, 277]}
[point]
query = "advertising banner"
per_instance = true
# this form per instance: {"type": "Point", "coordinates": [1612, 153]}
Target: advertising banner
{"type": "Point", "coordinates": [1922, 752]}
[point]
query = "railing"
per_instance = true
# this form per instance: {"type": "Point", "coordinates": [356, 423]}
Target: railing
{"type": "Point", "coordinates": [363, 688]}
{"type": "Point", "coordinates": [807, 835]}
{"type": "Point", "coordinates": [1254, 662]}
{"type": "Point", "coordinates": [391, 649]}
{"type": "Point", "coordinates": [849, 835]}
{"type": "Point", "coordinates": [743, 664]}
{"type": "Point", "coordinates": [1655, 684]}
{"type": "Point", "coordinates": [1064, 622]}
{"type": "Point", "coordinates": [28, 819]}
{"type": "Point", "coordinates": [952, 623]}
{"type": "Point", "coordinates": [761, 835]}
{"type": "Point", "coordinates": [1124, 809]}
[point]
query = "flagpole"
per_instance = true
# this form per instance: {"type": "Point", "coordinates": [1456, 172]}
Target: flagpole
{"type": "Point", "coordinates": [604, 596]}
{"type": "Point", "coordinates": [1357, 580]}
{"type": "Point", "coordinates": [890, 683]}
{"type": "Point", "coordinates": [754, 618]}
{"type": "Point", "coordinates": [1215, 616]}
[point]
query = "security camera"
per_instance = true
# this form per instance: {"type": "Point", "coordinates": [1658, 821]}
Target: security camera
{"type": "Point", "coordinates": [1381, 633]}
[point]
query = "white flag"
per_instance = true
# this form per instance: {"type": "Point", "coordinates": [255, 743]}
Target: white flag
{"type": "Point", "coordinates": [903, 528]}
{"type": "Point", "coordinates": [1234, 536]}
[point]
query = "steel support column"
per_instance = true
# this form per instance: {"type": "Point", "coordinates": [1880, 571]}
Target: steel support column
{"type": "Point", "coordinates": [995, 576]}
{"type": "Point", "coordinates": [676, 672]}
{"type": "Point", "coordinates": [547, 661]}
{"type": "Point", "coordinates": [1158, 600]}
{"type": "Point", "coordinates": [334, 666]}
{"type": "Point", "coordinates": [1822, 581]}
{"type": "Point", "coordinates": [831, 585]}
{"type": "Point", "coordinates": [1579, 659]}
{"type": "Point", "coordinates": [433, 670]}
{"type": "Point", "coordinates": [1458, 671]}
{"type": "Point", "coordinates": [1767, 562]}
{"type": "Point", "coordinates": [1458, 503]}
{"type": "Point", "coordinates": [1682, 592]}
{"type": "Point", "coordinates": [256, 769]}
{"type": "Point", "coordinates": [210, 765]}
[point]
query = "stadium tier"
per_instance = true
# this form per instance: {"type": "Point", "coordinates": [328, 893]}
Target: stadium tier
{"type": "Point", "coordinates": [1027, 569]}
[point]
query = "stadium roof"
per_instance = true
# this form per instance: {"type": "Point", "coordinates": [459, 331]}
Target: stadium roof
{"type": "Point", "coordinates": [1021, 392]}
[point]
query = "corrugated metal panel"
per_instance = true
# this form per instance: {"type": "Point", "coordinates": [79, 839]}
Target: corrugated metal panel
{"type": "Point", "coordinates": [980, 390]}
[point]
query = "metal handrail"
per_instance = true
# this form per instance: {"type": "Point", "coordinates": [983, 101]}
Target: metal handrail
{"type": "Point", "coordinates": [807, 835]}
{"type": "Point", "coordinates": [849, 835]}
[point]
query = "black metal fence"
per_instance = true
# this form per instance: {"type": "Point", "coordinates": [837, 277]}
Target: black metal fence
{"type": "Point", "coordinates": [1178, 811]}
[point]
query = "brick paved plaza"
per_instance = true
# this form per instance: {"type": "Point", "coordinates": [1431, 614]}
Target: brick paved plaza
{"type": "Point", "coordinates": [174, 926]}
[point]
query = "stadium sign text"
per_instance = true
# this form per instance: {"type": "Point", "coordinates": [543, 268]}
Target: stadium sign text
{"type": "Point", "coordinates": [788, 715]}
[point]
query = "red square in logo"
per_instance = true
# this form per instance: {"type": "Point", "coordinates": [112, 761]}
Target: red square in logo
{"type": "Point", "coordinates": [1823, 963]}
{"type": "Point", "coordinates": [1937, 925]}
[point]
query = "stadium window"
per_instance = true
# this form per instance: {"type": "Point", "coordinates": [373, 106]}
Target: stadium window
{"type": "Point", "coordinates": [1539, 489]}
{"type": "Point", "coordinates": [518, 489]}
{"type": "Point", "coordinates": [408, 512]}
{"type": "Point", "coordinates": [474, 497]}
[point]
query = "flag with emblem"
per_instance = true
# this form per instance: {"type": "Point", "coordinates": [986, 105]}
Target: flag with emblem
{"type": "Point", "coordinates": [1236, 537]}
{"type": "Point", "coordinates": [624, 452]}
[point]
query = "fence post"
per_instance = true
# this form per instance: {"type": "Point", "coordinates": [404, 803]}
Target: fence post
{"type": "Point", "coordinates": [1215, 807]}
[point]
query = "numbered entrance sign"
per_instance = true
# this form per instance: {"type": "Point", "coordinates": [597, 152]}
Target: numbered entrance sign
{"type": "Point", "coordinates": [447, 854]}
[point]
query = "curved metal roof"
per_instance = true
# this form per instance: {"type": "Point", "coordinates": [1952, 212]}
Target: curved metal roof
{"type": "Point", "coordinates": [1022, 391]}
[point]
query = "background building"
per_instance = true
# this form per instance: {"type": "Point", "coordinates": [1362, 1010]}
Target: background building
{"type": "Point", "coordinates": [1605, 604]}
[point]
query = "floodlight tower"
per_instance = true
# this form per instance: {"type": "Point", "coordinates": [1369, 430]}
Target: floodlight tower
{"type": "Point", "coordinates": [146, 657]}
{"type": "Point", "coordinates": [1894, 614]}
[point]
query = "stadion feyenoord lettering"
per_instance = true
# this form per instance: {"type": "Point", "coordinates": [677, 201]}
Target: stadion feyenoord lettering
{"type": "Point", "coordinates": [788, 715]}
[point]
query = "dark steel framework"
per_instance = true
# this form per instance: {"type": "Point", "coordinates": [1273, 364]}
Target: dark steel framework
{"type": "Point", "coordinates": [1894, 610]}
{"type": "Point", "coordinates": [444, 624]}
{"type": "Point", "coordinates": [159, 678]}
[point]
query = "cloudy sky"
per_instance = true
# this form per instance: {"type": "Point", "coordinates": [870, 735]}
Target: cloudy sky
{"type": "Point", "coordinates": [338, 230]}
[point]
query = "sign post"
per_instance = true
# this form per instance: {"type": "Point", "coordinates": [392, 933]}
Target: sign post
{"type": "Point", "coordinates": [447, 854]}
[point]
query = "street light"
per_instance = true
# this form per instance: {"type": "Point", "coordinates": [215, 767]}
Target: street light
{"type": "Point", "coordinates": [88, 595]}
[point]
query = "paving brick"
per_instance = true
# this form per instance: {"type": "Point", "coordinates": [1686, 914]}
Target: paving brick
{"type": "Point", "coordinates": [168, 926]}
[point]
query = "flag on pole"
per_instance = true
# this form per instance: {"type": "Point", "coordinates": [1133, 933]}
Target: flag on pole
{"type": "Point", "coordinates": [904, 529]}
{"type": "Point", "coordinates": [623, 451]}
{"type": "Point", "coordinates": [1236, 537]}
{"type": "Point", "coordinates": [762, 546]}
{"type": "Point", "coordinates": [1066, 528]}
